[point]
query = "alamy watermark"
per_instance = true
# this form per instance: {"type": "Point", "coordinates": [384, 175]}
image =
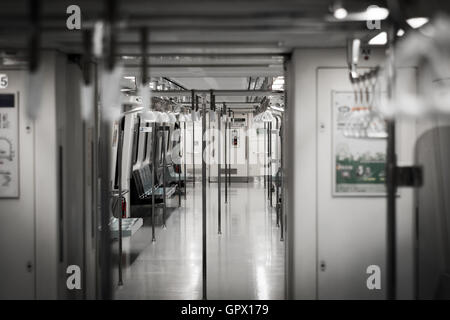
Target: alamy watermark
{"type": "Point", "coordinates": [374, 280]}
{"type": "Point", "coordinates": [373, 24]}
{"type": "Point", "coordinates": [74, 279]}
{"type": "Point", "coordinates": [73, 21]}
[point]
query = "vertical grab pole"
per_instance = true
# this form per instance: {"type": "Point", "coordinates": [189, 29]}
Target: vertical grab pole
{"type": "Point", "coordinates": [229, 152]}
{"type": "Point", "coordinates": [179, 164]}
{"type": "Point", "coordinates": [278, 180]}
{"type": "Point", "coordinates": [219, 178]}
{"type": "Point", "coordinates": [391, 210]}
{"type": "Point", "coordinates": [265, 157]}
{"type": "Point", "coordinates": [277, 201]}
{"type": "Point", "coordinates": [209, 137]}
{"type": "Point", "coordinates": [204, 256]}
{"type": "Point", "coordinates": [225, 154]}
{"type": "Point", "coordinates": [268, 159]}
{"type": "Point", "coordinates": [119, 174]}
{"type": "Point", "coordinates": [184, 158]}
{"type": "Point", "coordinates": [193, 137]}
{"type": "Point", "coordinates": [155, 138]}
{"type": "Point", "coordinates": [164, 173]}
{"type": "Point", "coordinates": [391, 183]}
{"type": "Point", "coordinates": [270, 164]}
{"type": "Point", "coordinates": [105, 249]}
{"type": "Point", "coordinates": [105, 148]}
{"type": "Point", "coordinates": [281, 181]}
{"type": "Point", "coordinates": [197, 99]}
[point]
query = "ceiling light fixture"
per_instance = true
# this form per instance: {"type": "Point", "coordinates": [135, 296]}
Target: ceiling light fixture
{"type": "Point", "coordinates": [417, 22]}
{"type": "Point", "coordinates": [278, 83]}
{"type": "Point", "coordinates": [376, 13]}
{"type": "Point", "coordinates": [379, 39]}
{"type": "Point", "coordinates": [277, 108]}
{"type": "Point", "coordinates": [371, 13]}
{"type": "Point", "coordinates": [340, 13]}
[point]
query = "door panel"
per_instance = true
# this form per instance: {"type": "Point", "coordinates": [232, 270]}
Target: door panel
{"type": "Point", "coordinates": [433, 215]}
{"type": "Point", "coordinates": [352, 229]}
{"type": "Point", "coordinates": [17, 215]}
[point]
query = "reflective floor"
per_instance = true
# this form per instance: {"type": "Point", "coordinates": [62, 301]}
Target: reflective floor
{"type": "Point", "coordinates": [245, 262]}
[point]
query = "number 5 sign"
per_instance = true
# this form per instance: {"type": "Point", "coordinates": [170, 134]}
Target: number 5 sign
{"type": "Point", "coordinates": [3, 81]}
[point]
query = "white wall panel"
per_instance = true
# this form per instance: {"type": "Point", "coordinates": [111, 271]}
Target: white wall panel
{"type": "Point", "coordinates": [306, 167]}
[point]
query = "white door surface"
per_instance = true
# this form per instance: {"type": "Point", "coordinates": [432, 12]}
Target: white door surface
{"type": "Point", "coordinates": [17, 213]}
{"type": "Point", "coordinates": [351, 229]}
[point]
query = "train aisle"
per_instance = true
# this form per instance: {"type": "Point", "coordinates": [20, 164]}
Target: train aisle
{"type": "Point", "coordinates": [245, 262]}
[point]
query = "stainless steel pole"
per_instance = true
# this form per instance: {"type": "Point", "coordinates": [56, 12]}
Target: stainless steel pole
{"type": "Point", "coordinates": [219, 179]}
{"type": "Point", "coordinates": [105, 211]}
{"type": "Point", "coordinates": [184, 158]}
{"type": "Point", "coordinates": [391, 181]}
{"type": "Point", "coordinates": [204, 255]}
{"type": "Point", "coordinates": [391, 211]}
{"type": "Point", "coordinates": [193, 138]}
{"type": "Point", "coordinates": [155, 137]}
{"type": "Point", "coordinates": [270, 163]}
{"type": "Point", "coordinates": [268, 160]}
{"type": "Point", "coordinates": [278, 177]}
{"type": "Point", "coordinates": [225, 154]}
{"type": "Point", "coordinates": [164, 173]}
{"type": "Point", "coordinates": [209, 138]}
{"type": "Point", "coordinates": [281, 182]}
{"type": "Point", "coordinates": [265, 154]}
{"type": "Point", "coordinates": [119, 173]}
{"type": "Point", "coordinates": [229, 152]}
{"type": "Point", "coordinates": [179, 164]}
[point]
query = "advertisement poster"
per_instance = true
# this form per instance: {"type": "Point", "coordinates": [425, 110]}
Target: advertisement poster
{"type": "Point", "coordinates": [359, 164]}
{"type": "Point", "coordinates": [9, 146]}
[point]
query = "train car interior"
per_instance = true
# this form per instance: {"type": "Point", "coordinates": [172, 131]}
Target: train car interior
{"type": "Point", "coordinates": [224, 150]}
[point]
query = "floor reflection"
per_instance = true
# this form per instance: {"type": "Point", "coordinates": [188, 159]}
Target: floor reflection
{"type": "Point", "coordinates": [245, 262]}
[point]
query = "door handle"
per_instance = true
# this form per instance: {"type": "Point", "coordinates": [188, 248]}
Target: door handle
{"type": "Point", "coordinates": [246, 147]}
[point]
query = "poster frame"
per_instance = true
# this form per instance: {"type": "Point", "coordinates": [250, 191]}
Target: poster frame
{"type": "Point", "coordinates": [334, 192]}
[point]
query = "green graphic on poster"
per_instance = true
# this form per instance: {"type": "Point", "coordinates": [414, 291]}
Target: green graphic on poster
{"type": "Point", "coordinates": [358, 164]}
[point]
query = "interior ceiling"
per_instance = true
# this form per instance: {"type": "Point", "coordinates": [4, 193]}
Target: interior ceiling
{"type": "Point", "coordinates": [209, 39]}
{"type": "Point", "coordinates": [204, 38]}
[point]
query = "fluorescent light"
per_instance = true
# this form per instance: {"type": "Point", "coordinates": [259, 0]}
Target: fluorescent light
{"type": "Point", "coordinates": [277, 87]}
{"type": "Point", "coordinates": [376, 13]}
{"type": "Point", "coordinates": [278, 83]}
{"type": "Point", "coordinates": [417, 22]}
{"type": "Point", "coordinates": [276, 108]}
{"type": "Point", "coordinates": [340, 13]}
{"type": "Point", "coordinates": [379, 39]}
{"type": "Point", "coordinates": [400, 32]}
{"type": "Point", "coordinates": [371, 13]}
{"type": "Point", "coordinates": [279, 79]}
{"type": "Point", "coordinates": [356, 45]}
